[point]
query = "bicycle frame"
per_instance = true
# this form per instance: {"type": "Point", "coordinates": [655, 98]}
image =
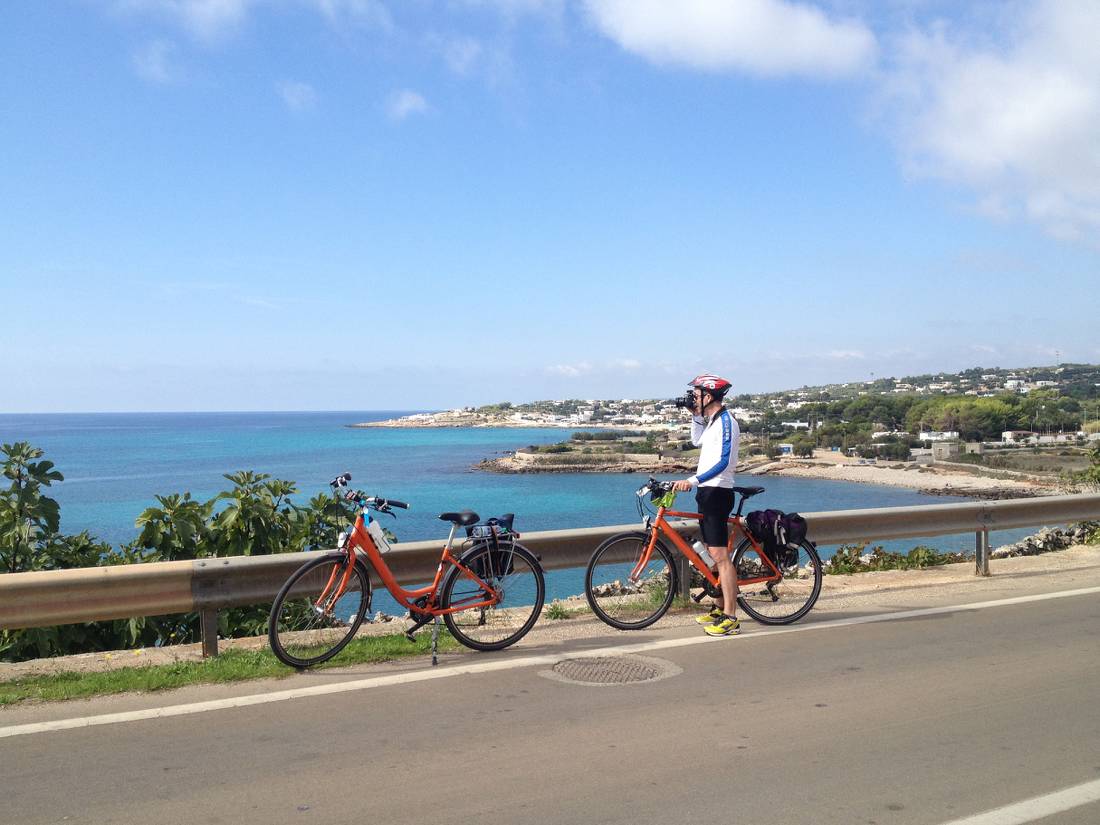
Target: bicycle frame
{"type": "Point", "coordinates": [660, 526]}
{"type": "Point", "coordinates": [360, 542]}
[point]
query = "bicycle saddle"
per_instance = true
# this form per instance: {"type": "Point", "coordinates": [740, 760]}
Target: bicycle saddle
{"type": "Point", "coordinates": [748, 492]}
{"type": "Point", "coordinates": [463, 519]}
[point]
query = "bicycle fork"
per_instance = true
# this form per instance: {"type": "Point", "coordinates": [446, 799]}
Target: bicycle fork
{"type": "Point", "coordinates": [636, 574]}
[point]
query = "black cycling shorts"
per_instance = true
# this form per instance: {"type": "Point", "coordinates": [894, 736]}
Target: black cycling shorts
{"type": "Point", "coordinates": [715, 505]}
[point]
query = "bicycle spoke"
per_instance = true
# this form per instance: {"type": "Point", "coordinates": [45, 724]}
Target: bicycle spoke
{"type": "Point", "coordinates": [314, 617]}
{"type": "Point", "coordinates": [516, 580]}
{"type": "Point", "coordinates": [779, 599]}
{"type": "Point", "coordinates": [623, 601]}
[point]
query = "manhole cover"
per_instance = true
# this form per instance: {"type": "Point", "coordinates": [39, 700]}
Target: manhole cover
{"type": "Point", "coordinates": [600, 671]}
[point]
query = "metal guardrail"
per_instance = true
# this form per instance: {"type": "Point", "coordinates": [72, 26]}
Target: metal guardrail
{"type": "Point", "coordinates": [208, 585]}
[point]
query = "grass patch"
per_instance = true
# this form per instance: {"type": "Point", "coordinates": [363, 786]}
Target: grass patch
{"type": "Point", "coordinates": [230, 666]}
{"type": "Point", "coordinates": [557, 611]}
{"type": "Point", "coordinates": [680, 604]}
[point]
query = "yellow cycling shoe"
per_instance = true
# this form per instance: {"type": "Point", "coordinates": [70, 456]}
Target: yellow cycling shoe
{"type": "Point", "coordinates": [724, 626]}
{"type": "Point", "coordinates": [710, 618]}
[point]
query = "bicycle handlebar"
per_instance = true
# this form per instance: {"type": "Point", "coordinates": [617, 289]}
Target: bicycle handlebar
{"type": "Point", "coordinates": [653, 485]}
{"type": "Point", "coordinates": [377, 502]}
{"type": "Point", "coordinates": [359, 496]}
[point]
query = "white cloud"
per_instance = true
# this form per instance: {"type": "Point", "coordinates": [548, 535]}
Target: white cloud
{"type": "Point", "coordinates": [155, 61]}
{"type": "Point", "coordinates": [846, 354]}
{"type": "Point", "coordinates": [766, 37]}
{"type": "Point", "coordinates": [215, 19]}
{"type": "Point", "coordinates": [1016, 121]}
{"type": "Point", "coordinates": [515, 8]}
{"type": "Point", "coordinates": [206, 19]}
{"type": "Point", "coordinates": [461, 53]}
{"type": "Point", "coordinates": [369, 13]}
{"type": "Point", "coordinates": [404, 103]}
{"type": "Point", "coordinates": [297, 96]}
{"type": "Point", "coordinates": [570, 370]}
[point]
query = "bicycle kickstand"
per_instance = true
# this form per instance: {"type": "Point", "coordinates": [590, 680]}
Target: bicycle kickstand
{"type": "Point", "coordinates": [435, 640]}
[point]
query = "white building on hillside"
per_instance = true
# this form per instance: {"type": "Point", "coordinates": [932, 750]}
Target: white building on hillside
{"type": "Point", "coordinates": [935, 435]}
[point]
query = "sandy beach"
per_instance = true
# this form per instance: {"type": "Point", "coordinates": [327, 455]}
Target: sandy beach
{"type": "Point", "coordinates": [932, 479]}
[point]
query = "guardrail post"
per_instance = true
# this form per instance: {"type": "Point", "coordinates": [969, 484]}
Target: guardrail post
{"type": "Point", "coordinates": [684, 574]}
{"type": "Point", "coordinates": [208, 619]}
{"type": "Point", "coordinates": [981, 553]}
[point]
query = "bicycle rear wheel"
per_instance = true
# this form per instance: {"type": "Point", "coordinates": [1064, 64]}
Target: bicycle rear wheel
{"type": "Point", "coordinates": [620, 602]}
{"type": "Point", "coordinates": [305, 629]}
{"type": "Point", "coordinates": [515, 575]}
{"type": "Point", "coordinates": [783, 600]}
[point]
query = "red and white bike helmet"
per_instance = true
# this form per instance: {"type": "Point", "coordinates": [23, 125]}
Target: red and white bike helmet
{"type": "Point", "coordinates": [716, 386]}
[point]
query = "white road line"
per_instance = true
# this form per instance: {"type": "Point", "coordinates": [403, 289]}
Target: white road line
{"type": "Point", "coordinates": [1037, 807]}
{"type": "Point", "coordinates": [504, 664]}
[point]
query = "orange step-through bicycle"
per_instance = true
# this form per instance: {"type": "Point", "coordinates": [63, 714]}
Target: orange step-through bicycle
{"type": "Point", "coordinates": [631, 580]}
{"type": "Point", "coordinates": [489, 595]}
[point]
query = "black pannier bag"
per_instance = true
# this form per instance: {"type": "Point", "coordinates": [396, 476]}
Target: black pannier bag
{"type": "Point", "coordinates": [780, 534]}
{"type": "Point", "coordinates": [498, 534]}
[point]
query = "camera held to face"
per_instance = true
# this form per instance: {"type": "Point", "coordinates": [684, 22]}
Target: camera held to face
{"type": "Point", "coordinates": [685, 402]}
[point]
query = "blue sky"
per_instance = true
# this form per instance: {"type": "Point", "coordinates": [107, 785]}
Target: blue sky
{"type": "Point", "coordinates": [348, 204]}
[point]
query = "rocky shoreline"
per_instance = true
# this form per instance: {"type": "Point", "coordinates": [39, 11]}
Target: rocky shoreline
{"type": "Point", "coordinates": [474, 420]}
{"type": "Point", "coordinates": [1048, 540]}
{"type": "Point", "coordinates": [509, 465]}
{"type": "Point", "coordinates": [925, 479]}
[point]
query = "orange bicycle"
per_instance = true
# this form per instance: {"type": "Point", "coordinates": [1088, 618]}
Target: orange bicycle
{"type": "Point", "coordinates": [631, 580]}
{"type": "Point", "coordinates": [489, 596]}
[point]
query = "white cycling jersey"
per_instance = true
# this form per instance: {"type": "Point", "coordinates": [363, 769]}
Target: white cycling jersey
{"type": "Point", "coordinates": [718, 438]}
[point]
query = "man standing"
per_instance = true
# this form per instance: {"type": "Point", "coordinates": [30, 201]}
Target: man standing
{"type": "Point", "coordinates": [716, 433]}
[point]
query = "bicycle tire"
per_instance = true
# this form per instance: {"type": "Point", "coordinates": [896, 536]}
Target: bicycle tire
{"type": "Point", "coordinates": [512, 570]}
{"type": "Point", "coordinates": [301, 635]}
{"type": "Point", "coordinates": [644, 603]}
{"type": "Point", "coordinates": [783, 601]}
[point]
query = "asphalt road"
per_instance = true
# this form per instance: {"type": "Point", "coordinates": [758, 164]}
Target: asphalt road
{"type": "Point", "coordinates": [913, 721]}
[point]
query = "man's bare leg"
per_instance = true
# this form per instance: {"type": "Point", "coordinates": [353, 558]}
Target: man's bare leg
{"type": "Point", "coordinates": [727, 579]}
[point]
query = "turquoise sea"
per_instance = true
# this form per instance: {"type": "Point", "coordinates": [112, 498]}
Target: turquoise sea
{"type": "Point", "coordinates": [114, 464]}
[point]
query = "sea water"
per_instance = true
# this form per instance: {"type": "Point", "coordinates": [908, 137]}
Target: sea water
{"type": "Point", "coordinates": [115, 463]}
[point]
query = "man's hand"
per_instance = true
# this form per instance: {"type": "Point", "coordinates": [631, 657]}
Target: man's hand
{"type": "Point", "coordinates": [681, 486]}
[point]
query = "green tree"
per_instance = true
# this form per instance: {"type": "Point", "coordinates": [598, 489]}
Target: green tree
{"type": "Point", "coordinates": [177, 529]}
{"type": "Point", "coordinates": [319, 523]}
{"type": "Point", "coordinates": [1091, 475]}
{"type": "Point", "coordinates": [258, 519]}
{"type": "Point", "coordinates": [28, 519]}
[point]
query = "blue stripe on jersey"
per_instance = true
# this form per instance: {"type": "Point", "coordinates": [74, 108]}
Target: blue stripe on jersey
{"type": "Point", "coordinates": [727, 442]}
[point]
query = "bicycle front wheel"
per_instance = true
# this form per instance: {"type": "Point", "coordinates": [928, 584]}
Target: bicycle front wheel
{"type": "Point", "coordinates": [783, 599]}
{"type": "Point", "coordinates": [622, 602]}
{"type": "Point", "coordinates": [515, 576]}
{"type": "Point", "coordinates": [313, 618]}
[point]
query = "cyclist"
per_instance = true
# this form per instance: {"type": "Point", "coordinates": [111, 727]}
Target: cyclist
{"type": "Point", "coordinates": [716, 433]}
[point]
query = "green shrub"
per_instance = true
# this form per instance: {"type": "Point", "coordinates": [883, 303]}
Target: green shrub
{"type": "Point", "coordinates": [557, 610]}
{"type": "Point", "coordinates": [554, 448]}
{"type": "Point", "coordinates": [254, 517]}
{"type": "Point", "coordinates": [849, 558]}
